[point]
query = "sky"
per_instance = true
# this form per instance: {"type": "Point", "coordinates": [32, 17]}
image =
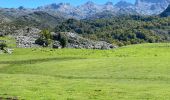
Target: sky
{"type": "Point", "coordinates": [36, 3]}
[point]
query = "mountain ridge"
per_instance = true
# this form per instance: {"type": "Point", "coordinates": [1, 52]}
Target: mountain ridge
{"type": "Point", "coordinates": [141, 7]}
{"type": "Point", "coordinates": [166, 13]}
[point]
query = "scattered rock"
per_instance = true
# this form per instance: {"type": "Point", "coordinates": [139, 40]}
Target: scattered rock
{"type": "Point", "coordinates": [9, 51]}
{"type": "Point", "coordinates": [2, 34]}
{"type": "Point", "coordinates": [26, 37]}
{"type": "Point", "coordinates": [76, 41]}
{"type": "Point", "coordinates": [25, 42]}
{"type": "Point", "coordinates": [57, 45]}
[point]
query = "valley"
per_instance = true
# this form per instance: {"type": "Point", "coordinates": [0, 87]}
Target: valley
{"type": "Point", "coordinates": [110, 51]}
{"type": "Point", "coordinates": [132, 73]}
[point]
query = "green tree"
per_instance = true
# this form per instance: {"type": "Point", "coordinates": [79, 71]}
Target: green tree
{"type": "Point", "coordinates": [63, 40]}
{"type": "Point", "coordinates": [45, 38]}
{"type": "Point", "coordinates": [3, 45]}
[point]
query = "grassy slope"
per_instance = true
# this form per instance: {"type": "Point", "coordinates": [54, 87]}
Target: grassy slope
{"type": "Point", "coordinates": [11, 42]}
{"type": "Point", "coordinates": [138, 72]}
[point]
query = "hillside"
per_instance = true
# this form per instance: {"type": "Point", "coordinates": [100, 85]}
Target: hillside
{"type": "Point", "coordinates": [40, 19]}
{"type": "Point", "coordinates": [122, 30]}
{"type": "Point", "coordinates": [132, 73]}
{"type": "Point", "coordinates": [86, 52]}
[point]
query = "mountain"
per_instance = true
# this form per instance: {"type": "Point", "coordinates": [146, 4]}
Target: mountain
{"type": "Point", "coordinates": [40, 19]}
{"type": "Point", "coordinates": [123, 4]}
{"type": "Point", "coordinates": [109, 7]}
{"type": "Point", "coordinates": [151, 7]}
{"type": "Point", "coordinates": [166, 13]}
{"type": "Point", "coordinates": [12, 13]}
{"type": "Point", "coordinates": [63, 9]}
{"type": "Point", "coordinates": [91, 9]}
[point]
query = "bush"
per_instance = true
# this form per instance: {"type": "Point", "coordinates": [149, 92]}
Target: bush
{"type": "Point", "coordinates": [2, 46]}
{"type": "Point", "coordinates": [63, 40]}
{"type": "Point", "coordinates": [45, 38]}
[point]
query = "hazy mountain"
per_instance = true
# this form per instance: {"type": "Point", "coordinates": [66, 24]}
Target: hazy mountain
{"type": "Point", "coordinates": [143, 7]}
{"type": "Point", "coordinates": [166, 13]}
{"type": "Point", "coordinates": [91, 9]}
{"type": "Point", "coordinates": [109, 7]}
{"type": "Point", "coordinates": [12, 13]}
{"type": "Point", "coordinates": [64, 9]}
{"type": "Point", "coordinates": [39, 18]}
{"type": "Point", "coordinates": [123, 4]}
{"type": "Point", "coordinates": [151, 7]}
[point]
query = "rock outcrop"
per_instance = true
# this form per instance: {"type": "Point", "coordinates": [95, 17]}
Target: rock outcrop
{"type": "Point", "coordinates": [26, 37]}
{"type": "Point", "coordinates": [76, 41]}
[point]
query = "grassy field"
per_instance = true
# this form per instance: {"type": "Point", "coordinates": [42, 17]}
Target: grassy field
{"type": "Point", "coordinates": [136, 72]}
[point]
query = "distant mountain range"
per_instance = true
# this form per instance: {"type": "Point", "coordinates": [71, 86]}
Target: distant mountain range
{"type": "Point", "coordinates": [166, 13]}
{"type": "Point", "coordinates": [141, 7]}
{"type": "Point", "coordinates": [90, 9]}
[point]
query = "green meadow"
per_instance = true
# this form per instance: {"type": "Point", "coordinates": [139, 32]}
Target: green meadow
{"type": "Point", "coordinates": [135, 72]}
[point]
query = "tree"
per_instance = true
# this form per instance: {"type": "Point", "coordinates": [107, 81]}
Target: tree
{"type": "Point", "coordinates": [2, 46]}
{"type": "Point", "coordinates": [45, 38]}
{"type": "Point", "coordinates": [63, 40]}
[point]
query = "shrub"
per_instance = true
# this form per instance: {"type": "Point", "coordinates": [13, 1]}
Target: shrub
{"type": "Point", "coordinates": [45, 38]}
{"type": "Point", "coordinates": [3, 45]}
{"type": "Point", "coordinates": [63, 40]}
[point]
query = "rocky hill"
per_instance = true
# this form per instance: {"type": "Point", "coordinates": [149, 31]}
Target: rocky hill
{"type": "Point", "coordinates": [26, 38]}
{"type": "Point", "coordinates": [40, 19]}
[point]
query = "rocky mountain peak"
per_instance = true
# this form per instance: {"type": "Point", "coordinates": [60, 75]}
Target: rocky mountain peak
{"type": "Point", "coordinates": [89, 3]}
{"type": "Point", "coordinates": [52, 6]}
{"type": "Point", "coordinates": [56, 6]}
{"type": "Point", "coordinates": [150, 7]}
{"type": "Point", "coordinates": [123, 4]}
{"type": "Point", "coordinates": [142, 7]}
{"type": "Point", "coordinates": [109, 3]}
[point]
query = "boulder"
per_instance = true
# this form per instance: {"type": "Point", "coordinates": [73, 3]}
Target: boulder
{"type": "Point", "coordinates": [57, 45]}
{"type": "Point", "coordinates": [2, 34]}
{"type": "Point", "coordinates": [9, 51]}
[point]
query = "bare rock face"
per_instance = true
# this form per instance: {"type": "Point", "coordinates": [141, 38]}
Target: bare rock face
{"type": "Point", "coordinates": [25, 42]}
{"type": "Point", "coordinates": [151, 7]}
{"type": "Point", "coordinates": [76, 41]}
{"type": "Point", "coordinates": [57, 45]}
{"type": "Point", "coordinates": [26, 37]}
{"type": "Point", "coordinates": [2, 34]}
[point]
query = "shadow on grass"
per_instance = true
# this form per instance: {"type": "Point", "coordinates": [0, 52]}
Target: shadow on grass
{"type": "Point", "coordinates": [10, 98]}
{"type": "Point", "coordinates": [115, 78]}
{"type": "Point", "coordinates": [33, 61]}
{"type": "Point", "coordinates": [81, 77]}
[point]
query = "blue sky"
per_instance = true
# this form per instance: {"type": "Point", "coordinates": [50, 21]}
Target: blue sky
{"type": "Point", "coordinates": [36, 3]}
